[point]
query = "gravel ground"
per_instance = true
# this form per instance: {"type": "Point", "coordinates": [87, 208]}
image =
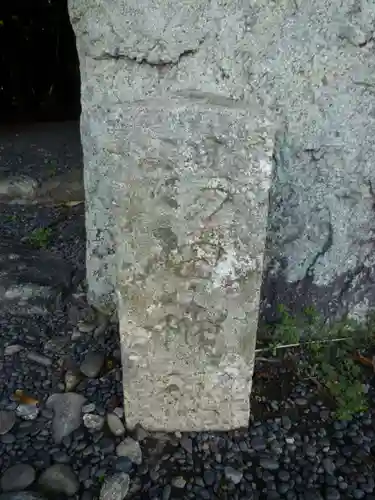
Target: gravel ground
{"type": "Point", "coordinates": [71, 440]}
{"type": "Point", "coordinates": [61, 402]}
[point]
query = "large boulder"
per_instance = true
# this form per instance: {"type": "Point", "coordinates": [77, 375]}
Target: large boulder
{"type": "Point", "coordinates": [312, 63]}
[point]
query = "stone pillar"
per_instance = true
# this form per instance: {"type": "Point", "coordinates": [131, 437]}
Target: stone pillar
{"type": "Point", "coordinates": [178, 167]}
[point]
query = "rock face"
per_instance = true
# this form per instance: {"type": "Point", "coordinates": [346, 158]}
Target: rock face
{"type": "Point", "coordinates": [310, 66]}
{"type": "Point", "coordinates": [178, 169]}
{"type": "Point", "coordinates": [191, 233]}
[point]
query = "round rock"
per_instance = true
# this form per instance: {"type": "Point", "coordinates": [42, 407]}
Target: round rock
{"type": "Point", "coordinates": [131, 449]}
{"type": "Point", "coordinates": [115, 425]}
{"type": "Point", "coordinates": [233, 475]}
{"type": "Point", "coordinates": [67, 410]}
{"type": "Point", "coordinates": [179, 482]}
{"type": "Point", "coordinates": [269, 463]}
{"type": "Point", "coordinates": [21, 495]}
{"type": "Point", "coordinates": [93, 422]}
{"type": "Point", "coordinates": [92, 364]}
{"type": "Point", "coordinates": [7, 420]}
{"type": "Point", "coordinates": [19, 477]}
{"type": "Point", "coordinates": [116, 487]}
{"type": "Point", "coordinates": [27, 411]}
{"type": "Point", "coordinates": [59, 478]}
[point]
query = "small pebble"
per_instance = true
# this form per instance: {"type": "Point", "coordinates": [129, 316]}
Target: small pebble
{"type": "Point", "coordinates": [93, 422]}
{"type": "Point", "coordinates": [115, 425]}
{"type": "Point", "coordinates": [179, 482]}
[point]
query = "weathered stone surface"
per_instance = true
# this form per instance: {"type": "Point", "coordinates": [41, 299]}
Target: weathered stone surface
{"type": "Point", "coordinates": [67, 410]}
{"type": "Point", "coordinates": [7, 421]}
{"type": "Point", "coordinates": [198, 63]}
{"type": "Point", "coordinates": [18, 477]}
{"type": "Point", "coordinates": [313, 64]}
{"type": "Point", "coordinates": [192, 202]}
{"type": "Point", "coordinates": [115, 487]}
{"type": "Point", "coordinates": [21, 495]}
{"type": "Point", "coordinates": [193, 210]}
{"type": "Point", "coordinates": [310, 65]}
{"type": "Point", "coordinates": [17, 188]}
{"type": "Point", "coordinates": [59, 478]}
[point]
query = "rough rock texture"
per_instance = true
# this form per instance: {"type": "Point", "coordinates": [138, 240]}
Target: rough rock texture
{"type": "Point", "coordinates": [191, 231]}
{"type": "Point", "coordinates": [178, 169]}
{"type": "Point", "coordinates": [312, 63]}
{"type": "Point", "coordinates": [204, 65]}
{"type": "Point", "coordinates": [309, 65]}
{"type": "Point", "coordinates": [67, 410]}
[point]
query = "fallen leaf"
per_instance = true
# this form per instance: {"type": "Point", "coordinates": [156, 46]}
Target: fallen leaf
{"type": "Point", "coordinates": [24, 399]}
{"type": "Point", "coordinates": [364, 360]}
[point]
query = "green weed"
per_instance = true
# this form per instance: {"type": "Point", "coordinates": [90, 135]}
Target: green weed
{"type": "Point", "coordinates": [40, 237]}
{"type": "Point", "coordinates": [327, 355]}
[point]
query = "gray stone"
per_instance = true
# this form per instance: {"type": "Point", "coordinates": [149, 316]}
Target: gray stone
{"type": "Point", "coordinates": [8, 438]}
{"type": "Point", "coordinates": [88, 408]}
{"type": "Point", "coordinates": [120, 413]}
{"type": "Point", "coordinates": [123, 464]}
{"type": "Point", "coordinates": [67, 410]}
{"type": "Point", "coordinates": [85, 327]}
{"type": "Point", "coordinates": [187, 444]}
{"type": "Point", "coordinates": [332, 494]}
{"type": "Point", "coordinates": [358, 494]}
{"type": "Point", "coordinates": [213, 148]}
{"type": "Point", "coordinates": [115, 425]}
{"type": "Point", "coordinates": [93, 422]}
{"type": "Point", "coordinates": [18, 477]}
{"type": "Point", "coordinates": [318, 163]}
{"type": "Point", "coordinates": [21, 495]}
{"type": "Point", "coordinates": [92, 364]}
{"type": "Point", "coordinates": [71, 380]}
{"type": "Point", "coordinates": [269, 463]}
{"type": "Point", "coordinates": [7, 420]}
{"type": "Point", "coordinates": [131, 449]}
{"type": "Point", "coordinates": [39, 359]}
{"type": "Point", "coordinates": [59, 478]}
{"type": "Point", "coordinates": [209, 477]}
{"type": "Point", "coordinates": [284, 476]}
{"type": "Point", "coordinates": [15, 189]}
{"type": "Point", "coordinates": [179, 389]}
{"type": "Point", "coordinates": [233, 475]}
{"type": "Point", "coordinates": [328, 465]}
{"type": "Point", "coordinates": [115, 487]}
{"type": "Point", "coordinates": [27, 411]}
{"type": "Point", "coordinates": [167, 490]}
{"type": "Point", "coordinates": [11, 350]}
{"type": "Point", "coordinates": [179, 482]}
{"type": "Point", "coordinates": [258, 443]}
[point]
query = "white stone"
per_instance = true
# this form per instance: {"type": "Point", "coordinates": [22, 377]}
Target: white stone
{"type": "Point", "coordinates": [93, 422]}
{"type": "Point", "coordinates": [115, 487]}
{"type": "Point", "coordinates": [115, 425]}
{"type": "Point", "coordinates": [131, 449]}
